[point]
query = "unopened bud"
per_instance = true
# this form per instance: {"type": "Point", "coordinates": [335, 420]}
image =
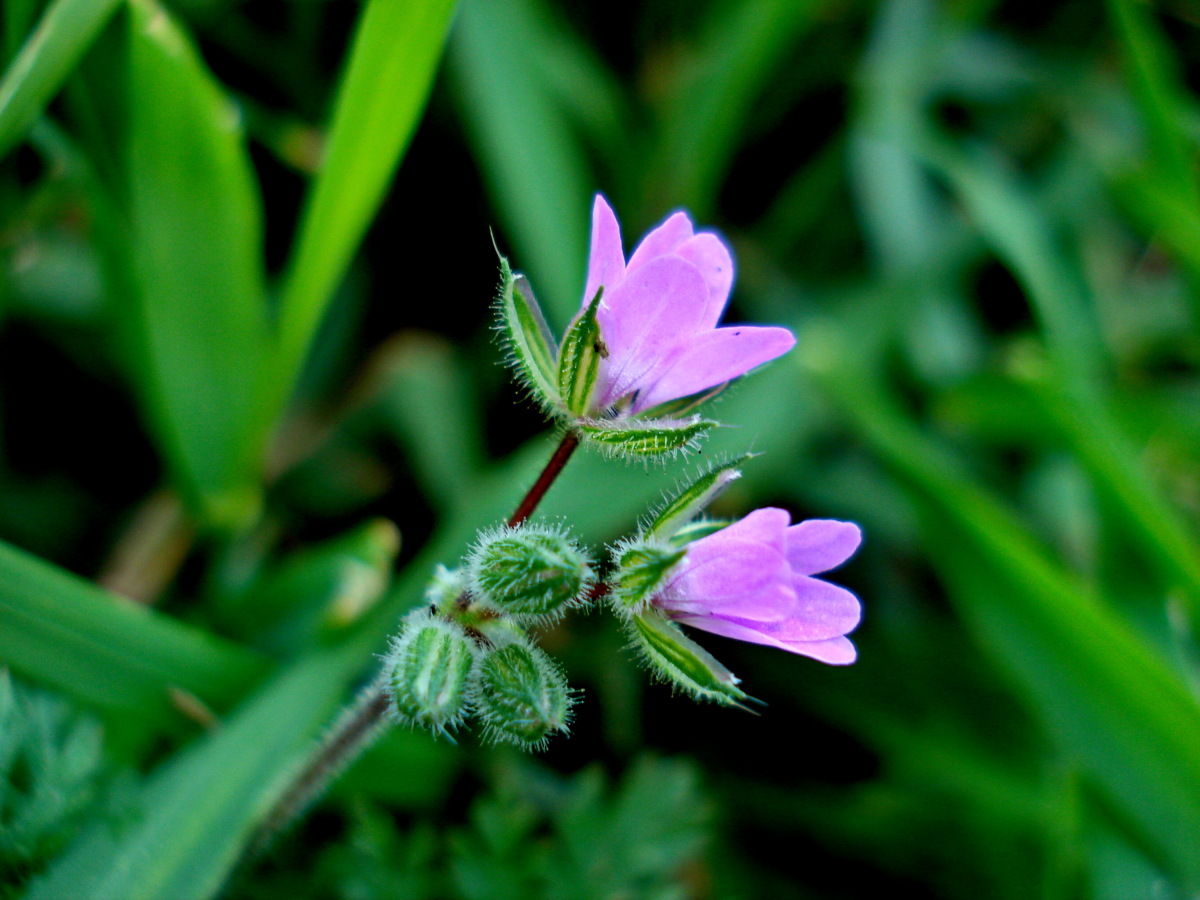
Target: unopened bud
{"type": "Point", "coordinates": [528, 572]}
{"type": "Point", "coordinates": [521, 695]}
{"type": "Point", "coordinates": [429, 671]}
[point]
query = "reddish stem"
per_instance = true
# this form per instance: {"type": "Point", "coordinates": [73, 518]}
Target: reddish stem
{"type": "Point", "coordinates": [531, 500]}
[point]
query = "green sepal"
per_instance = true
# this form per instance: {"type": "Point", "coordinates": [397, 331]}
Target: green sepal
{"type": "Point", "coordinates": [579, 359]}
{"type": "Point", "coordinates": [692, 498]}
{"type": "Point", "coordinates": [679, 661]}
{"type": "Point", "coordinates": [530, 343]}
{"type": "Point", "coordinates": [642, 568]}
{"type": "Point", "coordinates": [693, 531]}
{"type": "Point", "coordinates": [645, 438]}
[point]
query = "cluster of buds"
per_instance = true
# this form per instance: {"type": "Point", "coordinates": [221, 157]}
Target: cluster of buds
{"type": "Point", "coordinates": [467, 654]}
{"type": "Point", "coordinates": [642, 353]}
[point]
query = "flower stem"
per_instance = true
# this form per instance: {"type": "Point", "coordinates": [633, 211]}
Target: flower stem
{"type": "Point", "coordinates": [363, 721]}
{"type": "Point", "coordinates": [553, 468]}
{"type": "Point", "coordinates": [355, 729]}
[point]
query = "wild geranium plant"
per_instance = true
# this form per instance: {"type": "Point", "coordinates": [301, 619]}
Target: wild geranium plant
{"type": "Point", "coordinates": [644, 351]}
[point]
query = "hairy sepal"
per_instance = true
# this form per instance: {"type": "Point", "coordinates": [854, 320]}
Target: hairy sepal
{"type": "Point", "coordinates": [642, 570]}
{"type": "Point", "coordinates": [645, 438]}
{"type": "Point", "coordinates": [579, 359]}
{"type": "Point", "coordinates": [527, 337]}
{"type": "Point", "coordinates": [675, 659]}
{"type": "Point", "coordinates": [693, 497]}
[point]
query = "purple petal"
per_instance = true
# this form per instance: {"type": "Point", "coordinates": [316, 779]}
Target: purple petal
{"type": "Point", "coordinates": [708, 254]}
{"type": "Point", "coordinates": [744, 579]}
{"type": "Point", "coordinates": [818, 545]}
{"type": "Point", "coordinates": [606, 262]}
{"type": "Point", "coordinates": [662, 240]}
{"type": "Point", "coordinates": [644, 317]}
{"type": "Point", "coordinates": [713, 358]}
{"type": "Point", "coordinates": [836, 651]}
{"type": "Point", "coordinates": [767, 525]}
{"type": "Point", "coordinates": [822, 611]}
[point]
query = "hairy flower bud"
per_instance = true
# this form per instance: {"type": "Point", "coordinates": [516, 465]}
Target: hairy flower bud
{"type": "Point", "coordinates": [428, 669]}
{"type": "Point", "coordinates": [521, 695]}
{"type": "Point", "coordinates": [528, 572]}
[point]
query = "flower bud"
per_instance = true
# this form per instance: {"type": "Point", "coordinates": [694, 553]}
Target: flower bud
{"type": "Point", "coordinates": [429, 671]}
{"type": "Point", "coordinates": [528, 572]}
{"type": "Point", "coordinates": [643, 568]}
{"type": "Point", "coordinates": [521, 695]}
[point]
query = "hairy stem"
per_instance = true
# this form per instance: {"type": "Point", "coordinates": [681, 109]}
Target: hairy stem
{"type": "Point", "coordinates": [354, 731]}
{"type": "Point", "coordinates": [553, 468]}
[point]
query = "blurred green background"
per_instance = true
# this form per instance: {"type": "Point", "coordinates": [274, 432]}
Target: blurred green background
{"type": "Point", "coordinates": [249, 396]}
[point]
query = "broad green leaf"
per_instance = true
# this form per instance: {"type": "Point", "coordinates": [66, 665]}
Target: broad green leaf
{"type": "Point", "coordinates": [579, 360]}
{"type": "Point", "coordinates": [107, 652]}
{"type": "Point", "coordinates": [388, 77]}
{"type": "Point", "coordinates": [692, 498]}
{"type": "Point", "coordinates": [1109, 700]}
{"type": "Point", "coordinates": [531, 346]}
{"type": "Point", "coordinates": [200, 809]}
{"type": "Point", "coordinates": [646, 438]}
{"type": "Point", "coordinates": [47, 58]}
{"type": "Point", "coordinates": [675, 659]}
{"type": "Point", "coordinates": [195, 270]}
{"type": "Point", "coordinates": [536, 169]}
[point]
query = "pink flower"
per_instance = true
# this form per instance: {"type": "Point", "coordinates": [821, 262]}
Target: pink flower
{"type": "Point", "coordinates": [658, 316]}
{"type": "Point", "coordinates": [753, 581]}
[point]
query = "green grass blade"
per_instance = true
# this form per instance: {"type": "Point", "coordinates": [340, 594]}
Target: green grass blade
{"type": "Point", "coordinates": [706, 121]}
{"type": "Point", "coordinates": [109, 653]}
{"type": "Point", "coordinates": [388, 78]}
{"type": "Point", "coordinates": [201, 808]}
{"type": "Point", "coordinates": [1108, 699]}
{"type": "Point", "coordinates": [47, 58]}
{"type": "Point", "coordinates": [196, 271]}
{"type": "Point", "coordinates": [535, 166]}
{"type": "Point", "coordinates": [1159, 91]}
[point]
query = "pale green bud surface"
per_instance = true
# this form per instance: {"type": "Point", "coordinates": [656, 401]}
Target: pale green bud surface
{"type": "Point", "coordinates": [520, 695]}
{"type": "Point", "coordinates": [528, 572]}
{"type": "Point", "coordinates": [429, 672]}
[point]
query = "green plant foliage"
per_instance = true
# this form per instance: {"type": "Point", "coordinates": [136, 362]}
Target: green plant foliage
{"type": "Point", "coordinates": [246, 343]}
{"type": "Point", "coordinates": [50, 766]}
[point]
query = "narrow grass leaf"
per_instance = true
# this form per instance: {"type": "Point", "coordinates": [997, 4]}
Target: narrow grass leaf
{"type": "Point", "coordinates": [1110, 701]}
{"type": "Point", "coordinates": [388, 77]}
{"type": "Point", "coordinates": [106, 652]}
{"type": "Point", "coordinates": [48, 56]}
{"type": "Point", "coordinates": [535, 167]}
